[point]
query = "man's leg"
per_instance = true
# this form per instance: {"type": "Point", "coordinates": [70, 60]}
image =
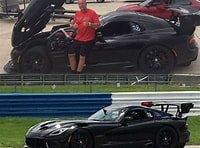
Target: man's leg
{"type": "Point", "coordinates": [81, 64]}
{"type": "Point", "coordinates": [72, 61]}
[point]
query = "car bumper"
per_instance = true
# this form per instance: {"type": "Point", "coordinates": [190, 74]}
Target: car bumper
{"type": "Point", "coordinates": [187, 55]}
{"type": "Point", "coordinates": [184, 137]}
{"type": "Point", "coordinates": [10, 68]}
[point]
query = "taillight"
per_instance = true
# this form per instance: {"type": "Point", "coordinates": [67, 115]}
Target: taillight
{"type": "Point", "coordinates": [192, 42]}
{"type": "Point", "coordinates": [184, 127]}
{"type": "Point", "coordinates": [191, 39]}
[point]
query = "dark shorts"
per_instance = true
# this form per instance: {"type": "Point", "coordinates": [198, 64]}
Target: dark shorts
{"type": "Point", "coordinates": [81, 48]}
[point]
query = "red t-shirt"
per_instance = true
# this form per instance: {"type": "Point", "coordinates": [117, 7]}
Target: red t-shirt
{"type": "Point", "coordinates": [85, 33]}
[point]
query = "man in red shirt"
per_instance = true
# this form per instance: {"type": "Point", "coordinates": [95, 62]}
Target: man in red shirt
{"type": "Point", "coordinates": [85, 21]}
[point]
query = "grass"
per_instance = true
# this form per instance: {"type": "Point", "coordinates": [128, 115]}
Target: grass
{"type": "Point", "coordinates": [13, 130]}
{"type": "Point", "coordinates": [94, 88]}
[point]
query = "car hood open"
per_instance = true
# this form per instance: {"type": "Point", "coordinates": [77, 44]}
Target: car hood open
{"type": "Point", "coordinates": [33, 19]}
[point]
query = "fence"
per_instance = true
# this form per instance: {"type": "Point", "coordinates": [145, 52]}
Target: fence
{"type": "Point", "coordinates": [97, 82]}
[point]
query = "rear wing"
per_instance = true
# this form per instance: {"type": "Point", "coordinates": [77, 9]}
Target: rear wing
{"type": "Point", "coordinates": [184, 21]}
{"type": "Point", "coordinates": [164, 107]}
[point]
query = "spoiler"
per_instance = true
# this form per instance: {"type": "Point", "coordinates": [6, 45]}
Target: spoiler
{"type": "Point", "coordinates": [184, 21]}
{"type": "Point", "coordinates": [181, 108]}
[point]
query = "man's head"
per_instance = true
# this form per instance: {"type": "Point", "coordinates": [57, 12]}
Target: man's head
{"type": "Point", "coordinates": [82, 5]}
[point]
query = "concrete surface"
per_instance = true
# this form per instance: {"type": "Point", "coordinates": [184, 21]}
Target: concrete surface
{"type": "Point", "coordinates": [6, 26]}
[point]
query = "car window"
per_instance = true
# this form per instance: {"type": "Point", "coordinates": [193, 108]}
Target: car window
{"type": "Point", "coordinates": [135, 115]}
{"type": "Point", "coordinates": [117, 28]}
{"type": "Point", "coordinates": [149, 114]}
{"type": "Point", "coordinates": [135, 28]}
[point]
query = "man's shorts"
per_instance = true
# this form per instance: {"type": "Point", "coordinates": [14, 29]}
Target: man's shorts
{"type": "Point", "coordinates": [81, 47]}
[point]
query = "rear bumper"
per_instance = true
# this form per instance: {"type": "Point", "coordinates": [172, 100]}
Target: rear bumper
{"type": "Point", "coordinates": [185, 137]}
{"type": "Point", "coordinates": [187, 55]}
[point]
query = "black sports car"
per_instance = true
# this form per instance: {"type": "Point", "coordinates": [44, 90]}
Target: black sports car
{"type": "Point", "coordinates": [121, 127]}
{"type": "Point", "coordinates": [124, 41]}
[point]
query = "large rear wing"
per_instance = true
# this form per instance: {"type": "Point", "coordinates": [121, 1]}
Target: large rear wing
{"type": "Point", "coordinates": [180, 108]}
{"type": "Point", "coordinates": [184, 21]}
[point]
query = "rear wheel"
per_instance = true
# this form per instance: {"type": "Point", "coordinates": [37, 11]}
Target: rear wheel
{"type": "Point", "coordinates": [81, 139]}
{"type": "Point", "coordinates": [35, 60]}
{"type": "Point", "coordinates": [166, 138]}
{"type": "Point", "coordinates": [156, 60]}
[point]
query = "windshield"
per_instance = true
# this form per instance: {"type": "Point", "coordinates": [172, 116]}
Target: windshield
{"type": "Point", "coordinates": [145, 3]}
{"type": "Point", "coordinates": [107, 115]}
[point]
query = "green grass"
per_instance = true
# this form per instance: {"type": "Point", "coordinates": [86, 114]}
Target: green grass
{"type": "Point", "coordinates": [194, 126]}
{"type": "Point", "coordinates": [93, 88]}
{"type": "Point", "coordinates": [13, 130]}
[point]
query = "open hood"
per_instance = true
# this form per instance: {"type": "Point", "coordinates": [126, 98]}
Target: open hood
{"type": "Point", "coordinates": [33, 19]}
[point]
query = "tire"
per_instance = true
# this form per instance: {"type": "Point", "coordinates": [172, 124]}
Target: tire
{"type": "Point", "coordinates": [166, 137]}
{"type": "Point", "coordinates": [81, 139]}
{"type": "Point", "coordinates": [156, 60]}
{"type": "Point", "coordinates": [35, 60]}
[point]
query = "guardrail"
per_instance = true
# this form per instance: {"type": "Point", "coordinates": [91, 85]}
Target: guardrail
{"type": "Point", "coordinates": [86, 104]}
{"type": "Point", "coordinates": [119, 99]}
{"type": "Point", "coordinates": [52, 104]}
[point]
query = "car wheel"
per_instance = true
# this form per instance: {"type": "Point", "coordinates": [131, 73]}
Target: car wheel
{"type": "Point", "coordinates": [156, 60]}
{"type": "Point", "coordinates": [166, 138]}
{"type": "Point", "coordinates": [100, 1]}
{"type": "Point", "coordinates": [35, 60]}
{"type": "Point", "coordinates": [81, 139]}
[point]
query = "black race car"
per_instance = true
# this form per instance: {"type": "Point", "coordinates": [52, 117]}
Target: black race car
{"type": "Point", "coordinates": [124, 41]}
{"type": "Point", "coordinates": [116, 127]}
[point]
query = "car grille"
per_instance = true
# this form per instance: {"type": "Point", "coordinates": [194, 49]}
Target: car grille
{"type": "Point", "coordinates": [36, 143]}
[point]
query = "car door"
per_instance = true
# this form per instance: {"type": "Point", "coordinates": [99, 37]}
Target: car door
{"type": "Point", "coordinates": [114, 51]}
{"type": "Point", "coordinates": [136, 130]}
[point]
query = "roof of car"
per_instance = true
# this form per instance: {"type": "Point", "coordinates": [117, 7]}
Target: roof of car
{"type": "Point", "coordinates": [145, 19]}
{"type": "Point", "coordinates": [126, 14]}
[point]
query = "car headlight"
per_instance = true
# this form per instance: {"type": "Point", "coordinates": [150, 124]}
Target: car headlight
{"type": "Point", "coordinates": [61, 130]}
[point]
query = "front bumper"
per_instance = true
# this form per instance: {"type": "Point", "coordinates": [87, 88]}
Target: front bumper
{"type": "Point", "coordinates": [10, 68]}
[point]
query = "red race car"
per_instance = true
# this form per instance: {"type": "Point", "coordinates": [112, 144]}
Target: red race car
{"type": "Point", "coordinates": [160, 8]}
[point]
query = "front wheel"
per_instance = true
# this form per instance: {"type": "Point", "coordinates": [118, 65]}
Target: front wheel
{"type": "Point", "coordinates": [156, 60]}
{"type": "Point", "coordinates": [81, 139]}
{"type": "Point", "coordinates": [35, 60]}
{"type": "Point", "coordinates": [166, 138]}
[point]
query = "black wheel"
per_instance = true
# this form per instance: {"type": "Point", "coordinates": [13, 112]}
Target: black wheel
{"type": "Point", "coordinates": [166, 138]}
{"type": "Point", "coordinates": [35, 60]}
{"type": "Point", "coordinates": [81, 139]}
{"type": "Point", "coordinates": [100, 1]}
{"type": "Point", "coordinates": [156, 60]}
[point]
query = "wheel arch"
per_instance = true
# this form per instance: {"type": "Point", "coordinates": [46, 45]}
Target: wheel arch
{"type": "Point", "coordinates": [151, 45]}
{"type": "Point", "coordinates": [171, 126]}
{"type": "Point", "coordinates": [88, 131]}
